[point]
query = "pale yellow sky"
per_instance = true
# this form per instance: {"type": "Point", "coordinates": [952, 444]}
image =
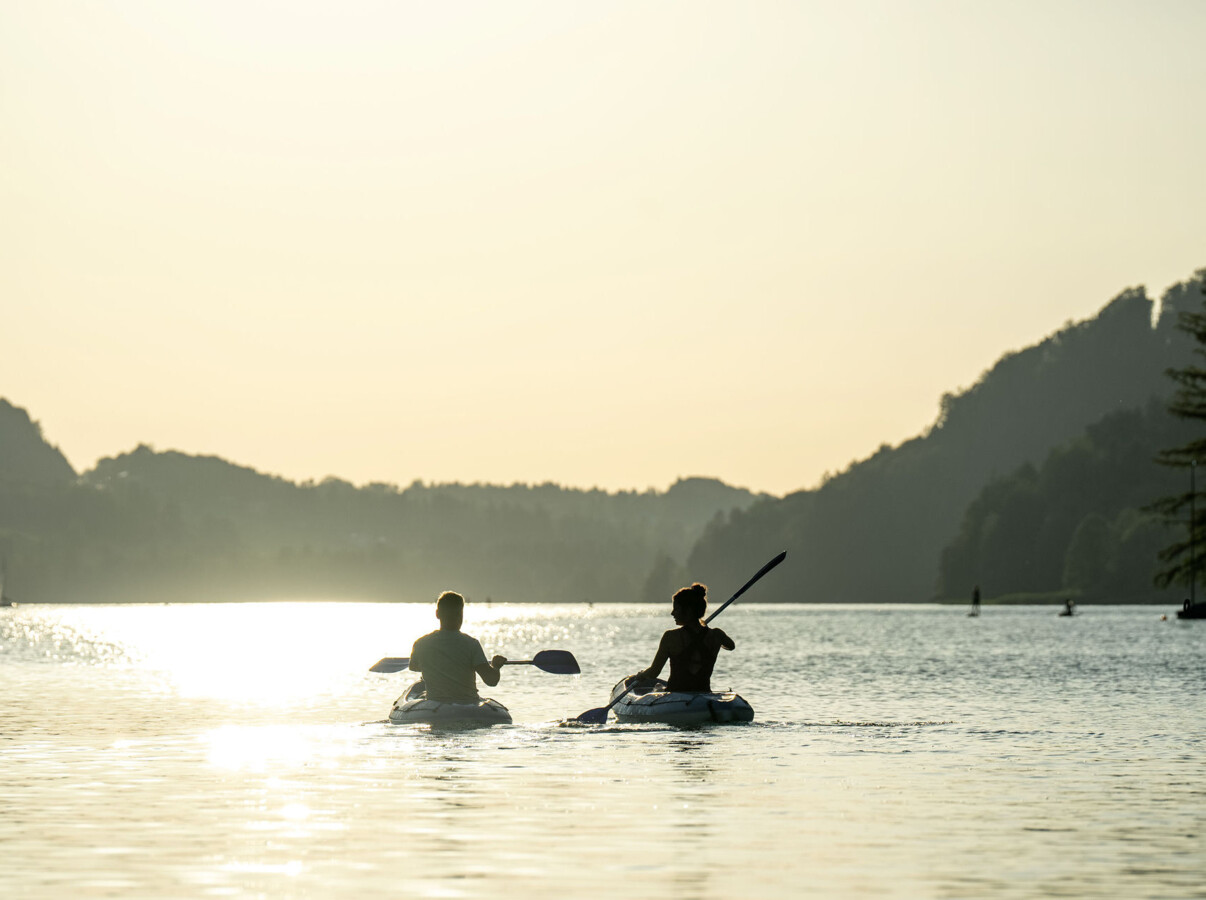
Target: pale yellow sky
{"type": "Point", "coordinates": [599, 244]}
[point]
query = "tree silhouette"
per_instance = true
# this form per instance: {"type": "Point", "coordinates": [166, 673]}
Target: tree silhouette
{"type": "Point", "coordinates": [1182, 560]}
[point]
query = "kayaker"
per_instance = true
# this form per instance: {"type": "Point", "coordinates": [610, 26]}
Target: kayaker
{"type": "Point", "coordinates": [450, 659]}
{"type": "Point", "coordinates": [691, 648]}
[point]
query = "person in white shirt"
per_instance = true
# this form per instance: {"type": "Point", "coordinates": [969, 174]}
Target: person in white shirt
{"type": "Point", "coordinates": [449, 659]}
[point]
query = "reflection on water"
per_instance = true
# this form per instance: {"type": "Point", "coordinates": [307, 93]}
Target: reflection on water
{"type": "Point", "coordinates": [242, 749]}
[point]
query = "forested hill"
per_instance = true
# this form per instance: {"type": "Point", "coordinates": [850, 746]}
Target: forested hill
{"type": "Point", "coordinates": [875, 533]}
{"type": "Point", "coordinates": [1079, 525]}
{"type": "Point", "coordinates": [27, 459]}
{"type": "Point", "coordinates": [150, 525]}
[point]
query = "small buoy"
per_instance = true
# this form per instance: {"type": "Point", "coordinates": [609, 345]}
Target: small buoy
{"type": "Point", "coordinates": [1164, 618]}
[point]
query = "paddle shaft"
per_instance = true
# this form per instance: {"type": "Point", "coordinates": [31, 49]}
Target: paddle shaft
{"type": "Point", "coordinates": [404, 661]}
{"type": "Point", "coordinates": [749, 584]}
{"type": "Point", "coordinates": [600, 715]}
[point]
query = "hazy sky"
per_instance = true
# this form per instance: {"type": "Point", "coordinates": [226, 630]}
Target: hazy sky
{"type": "Point", "coordinates": [595, 243]}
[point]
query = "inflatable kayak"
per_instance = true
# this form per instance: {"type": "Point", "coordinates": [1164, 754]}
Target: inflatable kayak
{"type": "Point", "coordinates": [655, 702]}
{"type": "Point", "coordinates": [414, 707]}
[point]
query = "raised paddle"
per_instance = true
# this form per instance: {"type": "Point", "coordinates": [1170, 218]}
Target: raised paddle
{"type": "Point", "coordinates": [599, 716]}
{"type": "Point", "coordinates": [559, 662]}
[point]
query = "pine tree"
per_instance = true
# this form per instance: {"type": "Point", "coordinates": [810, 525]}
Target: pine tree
{"type": "Point", "coordinates": [1185, 558]}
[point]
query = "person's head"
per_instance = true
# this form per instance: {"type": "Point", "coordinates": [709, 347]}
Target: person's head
{"type": "Point", "coordinates": [450, 610]}
{"type": "Point", "coordinates": [690, 603]}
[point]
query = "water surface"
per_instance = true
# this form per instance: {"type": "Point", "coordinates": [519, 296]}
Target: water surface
{"type": "Point", "coordinates": [242, 750]}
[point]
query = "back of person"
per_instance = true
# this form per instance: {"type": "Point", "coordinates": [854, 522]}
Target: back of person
{"type": "Point", "coordinates": [448, 660]}
{"type": "Point", "coordinates": [691, 648]}
{"type": "Point", "coordinates": [692, 660]}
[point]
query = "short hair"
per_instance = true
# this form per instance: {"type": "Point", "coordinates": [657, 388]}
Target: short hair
{"type": "Point", "coordinates": [693, 599]}
{"type": "Point", "coordinates": [450, 600]}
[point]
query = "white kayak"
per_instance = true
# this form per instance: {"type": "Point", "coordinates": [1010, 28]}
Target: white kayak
{"type": "Point", "coordinates": [655, 702]}
{"type": "Point", "coordinates": [414, 707]}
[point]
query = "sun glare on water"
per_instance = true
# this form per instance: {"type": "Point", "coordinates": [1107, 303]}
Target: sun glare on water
{"type": "Point", "coordinates": [265, 653]}
{"type": "Point", "coordinates": [276, 748]}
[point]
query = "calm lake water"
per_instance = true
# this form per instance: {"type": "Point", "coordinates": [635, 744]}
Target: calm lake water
{"type": "Point", "coordinates": [906, 751]}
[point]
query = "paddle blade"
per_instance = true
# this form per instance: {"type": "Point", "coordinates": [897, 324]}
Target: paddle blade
{"type": "Point", "coordinates": [593, 716]}
{"type": "Point", "coordinates": [390, 664]}
{"type": "Point", "coordinates": [558, 662]}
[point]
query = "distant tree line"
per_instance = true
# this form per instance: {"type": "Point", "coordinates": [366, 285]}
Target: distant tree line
{"type": "Point", "coordinates": [1041, 478]}
{"type": "Point", "coordinates": [150, 525]}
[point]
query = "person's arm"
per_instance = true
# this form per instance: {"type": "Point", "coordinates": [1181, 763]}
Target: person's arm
{"type": "Point", "coordinates": [725, 641]}
{"type": "Point", "coordinates": [490, 672]}
{"type": "Point", "coordinates": [659, 658]}
{"type": "Point", "coordinates": [416, 659]}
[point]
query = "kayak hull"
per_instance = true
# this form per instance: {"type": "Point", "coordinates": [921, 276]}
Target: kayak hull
{"type": "Point", "coordinates": [413, 707]}
{"type": "Point", "coordinates": [663, 706]}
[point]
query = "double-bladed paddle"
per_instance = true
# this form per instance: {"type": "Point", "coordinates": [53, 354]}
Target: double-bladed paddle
{"type": "Point", "coordinates": [559, 662]}
{"type": "Point", "coordinates": [599, 716]}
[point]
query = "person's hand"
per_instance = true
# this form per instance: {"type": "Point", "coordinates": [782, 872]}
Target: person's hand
{"type": "Point", "coordinates": [498, 662]}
